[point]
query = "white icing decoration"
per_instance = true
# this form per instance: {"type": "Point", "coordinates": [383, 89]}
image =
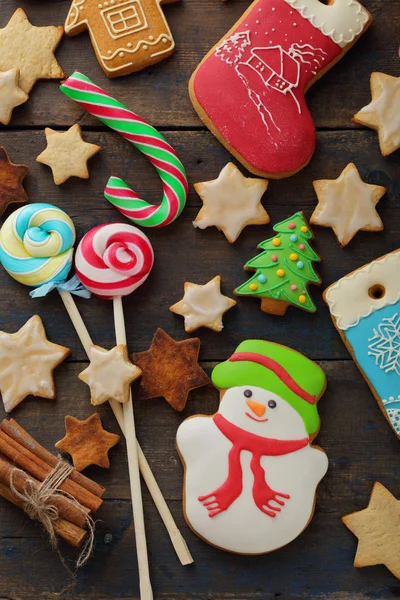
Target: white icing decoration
{"type": "Point", "coordinates": [393, 413]}
{"type": "Point", "coordinates": [384, 346]}
{"type": "Point", "coordinates": [387, 109]}
{"type": "Point", "coordinates": [342, 20]}
{"type": "Point", "coordinates": [203, 305]}
{"type": "Point", "coordinates": [11, 95]}
{"type": "Point", "coordinates": [74, 19]}
{"type": "Point", "coordinates": [348, 205]}
{"type": "Point", "coordinates": [348, 299]}
{"type": "Point", "coordinates": [231, 202]}
{"type": "Point", "coordinates": [263, 61]}
{"type": "Point", "coordinates": [243, 528]}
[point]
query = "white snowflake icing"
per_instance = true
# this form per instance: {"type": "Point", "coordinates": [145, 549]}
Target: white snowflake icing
{"type": "Point", "coordinates": [392, 407]}
{"type": "Point", "coordinates": [384, 346]}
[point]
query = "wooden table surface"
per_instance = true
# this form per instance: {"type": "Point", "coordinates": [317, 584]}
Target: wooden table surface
{"type": "Point", "coordinates": [359, 443]}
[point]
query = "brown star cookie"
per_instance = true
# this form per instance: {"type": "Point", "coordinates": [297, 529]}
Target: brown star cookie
{"type": "Point", "coordinates": [27, 362]}
{"type": "Point", "coordinates": [30, 49]}
{"type": "Point", "coordinates": [87, 442]}
{"type": "Point", "coordinates": [378, 530]}
{"type": "Point", "coordinates": [170, 369]}
{"type": "Point", "coordinates": [11, 177]}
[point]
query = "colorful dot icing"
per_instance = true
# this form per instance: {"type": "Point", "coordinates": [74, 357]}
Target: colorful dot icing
{"type": "Point", "coordinates": [253, 287]}
{"type": "Point", "coordinates": [262, 278]}
{"type": "Point", "coordinates": [291, 225]}
{"type": "Point", "coordinates": [288, 267]}
{"type": "Point", "coordinates": [276, 242]}
{"type": "Point", "coordinates": [293, 237]}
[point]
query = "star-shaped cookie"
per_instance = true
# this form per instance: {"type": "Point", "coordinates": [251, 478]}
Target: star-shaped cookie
{"type": "Point", "coordinates": [231, 202]}
{"type": "Point", "coordinates": [87, 442]}
{"type": "Point", "coordinates": [383, 113]}
{"type": "Point", "coordinates": [67, 154]}
{"type": "Point", "coordinates": [347, 204]}
{"type": "Point", "coordinates": [170, 369]}
{"type": "Point", "coordinates": [11, 178]}
{"type": "Point", "coordinates": [378, 530]}
{"type": "Point", "coordinates": [27, 362]}
{"type": "Point", "coordinates": [203, 305]}
{"type": "Point", "coordinates": [30, 49]}
{"type": "Point", "coordinates": [109, 374]}
{"type": "Point", "coordinates": [11, 95]}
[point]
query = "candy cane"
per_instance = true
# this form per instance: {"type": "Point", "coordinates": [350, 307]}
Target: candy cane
{"type": "Point", "coordinates": [145, 138]}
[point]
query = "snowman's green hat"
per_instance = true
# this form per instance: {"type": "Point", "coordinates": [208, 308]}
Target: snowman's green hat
{"type": "Point", "coordinates": [278, 369]}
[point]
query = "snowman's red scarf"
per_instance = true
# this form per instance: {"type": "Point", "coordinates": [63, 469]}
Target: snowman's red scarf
{"type": "Point", "coordinates": [230, 490]}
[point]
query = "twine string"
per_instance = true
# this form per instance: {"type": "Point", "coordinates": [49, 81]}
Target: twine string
{"type": "Point", "coordinates": [38, 502]}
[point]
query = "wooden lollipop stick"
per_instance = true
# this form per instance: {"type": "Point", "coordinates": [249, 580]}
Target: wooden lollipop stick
{"type": "Point", "coordinates": [178, 542]}
{"type": "Point", "coordinates": [146, 592]}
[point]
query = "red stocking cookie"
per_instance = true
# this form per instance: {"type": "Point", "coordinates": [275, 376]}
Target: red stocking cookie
{"type": "Point", "coordinates": [249, 89]}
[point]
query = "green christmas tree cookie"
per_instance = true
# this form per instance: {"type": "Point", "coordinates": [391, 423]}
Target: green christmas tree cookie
{"type": "Point", "coordinates": [284, 270]}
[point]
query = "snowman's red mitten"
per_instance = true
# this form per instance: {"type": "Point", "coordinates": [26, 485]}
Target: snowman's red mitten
{"type": "Point", "coordinates": [249, 89]}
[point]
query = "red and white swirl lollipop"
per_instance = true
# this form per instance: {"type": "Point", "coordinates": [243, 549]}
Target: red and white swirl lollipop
{"type": "Point", "coordinates": [114, 260]}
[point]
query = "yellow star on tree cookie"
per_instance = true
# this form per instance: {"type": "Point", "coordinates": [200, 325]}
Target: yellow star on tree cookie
{"type": "Point", "coordinates": [67, 154]}
{"type": "Point", "coordinates": [383, 113]}
{"type": "Point", "coordinates": [30, 49]}
{"type": "Point", "coordinates": [231, 202]}
{"type": "Point", "coordinates": [378, 530]}
{"type": "Point", "coordinates": [87, 442]}
{"type": "Point", "coordinates": [347, 204]}
{"type": "Point", "coordinates": [27, 362]}
{"type": "Point", "coordinates": [109, 374]}
{"type": "Point", "coordinates": [11, 95]}
{"type": "Point", "coordinates": [203, 305]}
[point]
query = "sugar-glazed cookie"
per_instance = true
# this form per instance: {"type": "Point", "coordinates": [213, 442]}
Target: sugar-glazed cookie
{"type": "Point", "coordinates": [365, 308]}
{"type": "Point", "coordinates": [251, 471]}
{"type": "Point", "coordinates": [249, 89]}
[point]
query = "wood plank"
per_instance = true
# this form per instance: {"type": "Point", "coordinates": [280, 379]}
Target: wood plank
{"type": "Point", "coordinates": [196, 28]}
{"type": "Point", "coordinates": [84, 202]}
{"type": "Point", "coordinates": [361, 449]}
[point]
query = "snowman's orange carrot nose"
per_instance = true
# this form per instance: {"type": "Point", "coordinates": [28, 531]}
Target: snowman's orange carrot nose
{"type": "Point", "coordinates": [257, 408]}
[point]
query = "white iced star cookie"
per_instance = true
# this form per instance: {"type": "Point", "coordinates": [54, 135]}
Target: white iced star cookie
{"type": "Point", "coordinates": [231, 202]}
{"type": "Point", "coordinates": [109, 374]}
{"type": "Point", "coordinates": [11, 95]}
{"type": "Point", "coordinates": [203, 305]}
{"type": "Point", "coordinates": [383, 113]}
{"type": "Point", "coordinates": [347, 204]}
{"type": "Point", "coordinates": [27, 361]}
{"type": "Point", "coordinates": [67, 154]}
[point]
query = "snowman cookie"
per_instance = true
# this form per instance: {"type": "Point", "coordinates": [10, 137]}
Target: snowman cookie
{"type": "Point", "coordinates": [249, 89]}
{"type": "Point", "coordinates": [251, 471]}
{"type": "Point", "coordinates": [365, 309]}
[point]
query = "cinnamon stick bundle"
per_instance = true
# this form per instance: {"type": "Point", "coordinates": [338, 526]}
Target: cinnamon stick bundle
{"type": "Point", "coordinates": [23, 461]}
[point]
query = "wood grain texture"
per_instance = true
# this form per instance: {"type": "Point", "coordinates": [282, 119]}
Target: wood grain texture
{"type": "Point", "coordinates": [196, 27]}
{"type": "Point", "coordinates": [359, 443]}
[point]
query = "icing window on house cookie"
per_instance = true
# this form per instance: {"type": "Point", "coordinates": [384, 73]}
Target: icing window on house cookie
{"type": "Point", "coordinates": [125, 19]}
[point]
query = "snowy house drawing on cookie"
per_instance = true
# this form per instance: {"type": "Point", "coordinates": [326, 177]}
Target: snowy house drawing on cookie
{"type": "Point", "coordinates": [276, 68]}
{"type": "Point", "coordinates": [127, 35]}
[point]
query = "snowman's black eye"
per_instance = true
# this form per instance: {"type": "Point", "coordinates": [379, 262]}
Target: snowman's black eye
{"type": "Point", "coordinates": [271, 403]}
{"type": "Point", "coordinates": [248, 393]}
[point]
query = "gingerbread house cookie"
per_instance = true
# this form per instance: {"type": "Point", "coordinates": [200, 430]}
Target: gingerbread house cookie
{"type": "Point", "coordinates": [127, 35]}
